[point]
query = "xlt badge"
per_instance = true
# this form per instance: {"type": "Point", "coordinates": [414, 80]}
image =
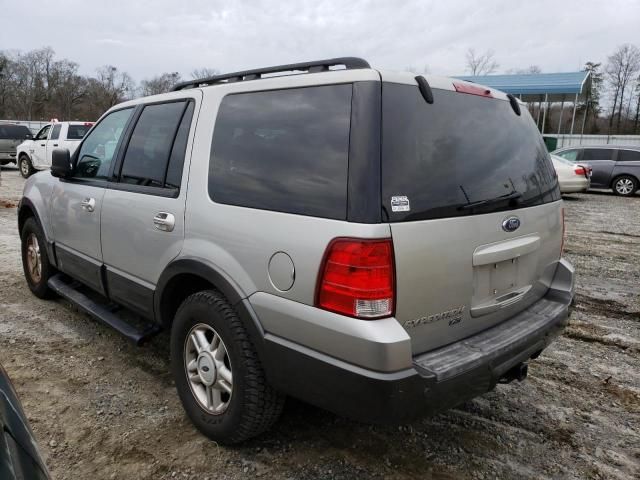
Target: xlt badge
{"type": "Point", "coordinates": [453, 316]}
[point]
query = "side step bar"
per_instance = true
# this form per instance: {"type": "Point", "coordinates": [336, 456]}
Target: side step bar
{"type": "Point", "coordinates": [104, 313]}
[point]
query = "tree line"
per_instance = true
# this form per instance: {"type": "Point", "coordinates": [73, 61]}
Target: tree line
{"type": "Point", "coordinates": [34, 85]}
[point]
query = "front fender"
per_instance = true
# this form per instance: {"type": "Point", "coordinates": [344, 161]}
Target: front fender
{"type": "Point", "coordinates": [36, 199]}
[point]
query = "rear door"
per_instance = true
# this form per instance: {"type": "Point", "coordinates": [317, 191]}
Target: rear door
{"type": "Point", "coordinates": [143, 210]}
{"type": "Point", "coordinates": [602, 162]}
{"type": "Point", "coordinates": [473, 204]}
{"type": "Point", "coordinates": [53, 142]}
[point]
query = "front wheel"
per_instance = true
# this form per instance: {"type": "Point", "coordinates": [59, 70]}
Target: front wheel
{"type": "Point", "coordinates": [35, 260]}
{"type": "Point", "coordinates": [625, 185]}
{"type": "Point", "coordinates": [217, 372]}
{"type": "Point", "coordinates": [26, 169]}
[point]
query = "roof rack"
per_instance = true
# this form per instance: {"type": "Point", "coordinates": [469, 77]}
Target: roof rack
{"type": "Point", "coordinates": [350, 63]}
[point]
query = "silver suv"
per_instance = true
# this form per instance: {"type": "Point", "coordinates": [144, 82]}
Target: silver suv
{"type": "Point", "coordinates": [378, 244]}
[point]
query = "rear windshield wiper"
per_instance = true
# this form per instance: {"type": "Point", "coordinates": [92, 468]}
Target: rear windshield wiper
{"type": "Point", "coordinates": [501, 198]}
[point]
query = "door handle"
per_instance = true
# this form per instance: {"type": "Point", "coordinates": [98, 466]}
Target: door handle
{"type": "Point", "coordinates": [88, 204]}
{"type": "Point", "coordinates": [43, 144]}
{"type": "Point", "coordinates": [165, 222]}
{"type": "Point", "coordinates": [55, 144]}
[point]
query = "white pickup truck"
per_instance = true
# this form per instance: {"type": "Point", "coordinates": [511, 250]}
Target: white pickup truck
{"type": "Point", "coordinates": [35, 154]}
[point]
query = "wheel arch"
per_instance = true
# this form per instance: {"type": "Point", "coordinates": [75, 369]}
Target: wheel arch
{"type": "Point", "coordinates": [186, 276]}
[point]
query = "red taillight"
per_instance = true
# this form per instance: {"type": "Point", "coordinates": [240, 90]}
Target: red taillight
{"type": "Point", "coordinates": [357, 278]}
{"type": "Point", "coordinates": [580, 171]}
{"type": "Point", "coordinates": [563, 232]}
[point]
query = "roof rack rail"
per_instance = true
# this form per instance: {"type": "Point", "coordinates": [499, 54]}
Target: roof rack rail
{"type": "Point", "coordinates": [350, 63]}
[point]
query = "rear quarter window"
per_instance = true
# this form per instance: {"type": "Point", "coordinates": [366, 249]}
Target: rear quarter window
{"type": "Point", "coordinates": [629, 156]}
{"type": "Point", "coordinates": [283, 150]}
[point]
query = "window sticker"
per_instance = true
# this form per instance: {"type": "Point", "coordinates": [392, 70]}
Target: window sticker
{"type": "Point", "coordinates": [400, 204]}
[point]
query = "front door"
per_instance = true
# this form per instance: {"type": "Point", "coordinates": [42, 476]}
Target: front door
{"type": "Point", "coordinates": [143, 212]}
{"type": "Point", "coordinates": [77, 202]}
{"type": "Point", "coordinates": [39, 152]}
{"type": "Point", "coordinates": [53, 142]}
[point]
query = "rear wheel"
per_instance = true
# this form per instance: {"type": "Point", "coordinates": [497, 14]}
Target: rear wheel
{"type": "Point", "coordinates": [217, 372]}
{"type": "Point", "coordinates": [26, 169]}
{"type": "Point", "coordinates": [625, 185]}
{"type": "Point", "coordinates": [35, 260]}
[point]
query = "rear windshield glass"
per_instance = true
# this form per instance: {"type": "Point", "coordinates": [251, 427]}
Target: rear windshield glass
{"type": "Point", "coordinates": [76, 132]}
{"type": "Point", "coordinates": [14, 132]}
{"type": "Point", "coordinates": [461, 155]}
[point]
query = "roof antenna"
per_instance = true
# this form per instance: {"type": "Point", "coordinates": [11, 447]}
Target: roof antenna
{"type": "Point", "coordinates": [425, 89]}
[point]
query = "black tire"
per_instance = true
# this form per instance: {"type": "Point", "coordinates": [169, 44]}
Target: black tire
{"type": "Point", "coordinates": [37, 285]}
{"type": "Point", "coordinates": [25, 166]}
{"type": "Point", "coordinates": [625, 185]}
{"type": "Point", "coordinates": [253, 405]}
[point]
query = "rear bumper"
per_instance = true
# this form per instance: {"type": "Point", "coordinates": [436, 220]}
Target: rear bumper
{"type": "Point", "coordinates": [437, 380]}
{"type": "Point", "coordinates": [574, 185]}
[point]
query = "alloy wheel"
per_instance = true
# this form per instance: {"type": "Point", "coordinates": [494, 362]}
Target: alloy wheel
{"type": "Point", "coordinates": [208, 369]}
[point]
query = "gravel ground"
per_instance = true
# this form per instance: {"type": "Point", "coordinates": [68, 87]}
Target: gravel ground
{"type": "Point", "coordinates": [104, 409]}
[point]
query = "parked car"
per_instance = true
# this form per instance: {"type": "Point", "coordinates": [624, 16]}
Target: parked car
{"type": "Point", "coordinates": [303, 235]}
{"type": "Point", "coordinates": [35, 154]}
{"type": "Point", "coordinates": [573, 177]}
{"type": "Point", "coordinates": [11, 135]}
{"type": "Point", "coordinates": [19, 455]}
{"type": "Point", "coordinates": [614, 167]}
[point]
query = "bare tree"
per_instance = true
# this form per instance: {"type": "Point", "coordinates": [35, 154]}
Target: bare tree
{"type": "Point", "coordinates": [623, 65]}
{"type": "Point", "coordinates": [481, 64]}
{"type": "Point", "coordinates": [159, 84]}
{"type": "Point", "coordinates": [204, 73]}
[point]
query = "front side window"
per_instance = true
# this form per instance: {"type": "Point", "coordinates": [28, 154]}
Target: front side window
{"type": "Point", "coordinates": [629, 155]}
{"type": "Point", "coordinates": [597, 154]}
{"type": "Point", "coordinates": [55, 133]}
{"type": "Point", "coordinates": [98, 148]}
{"type": "Point", "coordinates": [149, 150]}
{"type": "Point", "coordinates": [570, 155]}
{"type": "Point", "coordinates": [43, 133]}
{"type": "Point", "coordinates": [283, 150]}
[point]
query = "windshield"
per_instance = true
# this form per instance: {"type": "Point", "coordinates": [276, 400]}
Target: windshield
{"type": "Point", "coordinates": [14, 132]}
{"type": "Point", "coordinates": [462, 155]}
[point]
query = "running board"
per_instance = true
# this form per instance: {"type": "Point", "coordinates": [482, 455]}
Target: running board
{"type": "Point", "coordinates": [104, 313]}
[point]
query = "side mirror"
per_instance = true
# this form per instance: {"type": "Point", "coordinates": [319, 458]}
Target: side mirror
{"type": "Point", "coordinates": [61, 163]}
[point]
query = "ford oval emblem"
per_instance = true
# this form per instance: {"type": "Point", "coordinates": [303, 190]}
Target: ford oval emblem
{"type": "Point", "coordinates": [511, 224]}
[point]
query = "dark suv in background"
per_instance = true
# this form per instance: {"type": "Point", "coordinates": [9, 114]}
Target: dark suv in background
{"type": "Point", "coordinates": [614, 167]}
{"type": "Point", "coordinates": [11, 135]}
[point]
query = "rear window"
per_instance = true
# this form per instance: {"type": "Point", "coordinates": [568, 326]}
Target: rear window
{"type": "Point", "coordinates": [629, 156]}
{"type": "Point", "coordinates": [597, 154]}
{"type": "Point", "coordinates": [77, 132]}
{"type": "Point", "coordinates": [14, 132]}
{"type": "Point", "coordinates": [283, 150]}
{"type": "Point", "coordinates": [461, 155]}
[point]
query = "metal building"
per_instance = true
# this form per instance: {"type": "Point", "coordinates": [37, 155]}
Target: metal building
{"type": "Point", "coordinates": [543, 89]}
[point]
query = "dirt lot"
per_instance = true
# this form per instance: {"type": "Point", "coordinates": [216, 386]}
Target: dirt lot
{"type": "Point", "coordinates": [104, 409]}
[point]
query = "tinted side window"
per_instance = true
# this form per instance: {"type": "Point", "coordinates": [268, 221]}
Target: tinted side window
{"type": "Point", "coordinates": [284, 150]}
{"type": "Point", "coordinates": [99, 147]}
{"type": "Point", "coordinates": [176, 161]}
{"type": "Point", "coordinates": [597, 154]}
{"type": "Point", "coordinates": [17, 132]}
{"type": "Point", "coordinates": [628, 155]}
{"type": "Point", "coordinates": [76, 132]}
{"type": "Point", "coordinates": [147, 156]}
{"type": "Point", "coordinates": [55, 133]}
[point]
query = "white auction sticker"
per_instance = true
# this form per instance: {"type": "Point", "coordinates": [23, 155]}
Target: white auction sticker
{"type": "Point", "coordinates": [400, 204]}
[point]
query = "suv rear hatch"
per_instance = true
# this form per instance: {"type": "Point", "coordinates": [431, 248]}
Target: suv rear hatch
{"type": "Point", "coordinates": [473, 204]}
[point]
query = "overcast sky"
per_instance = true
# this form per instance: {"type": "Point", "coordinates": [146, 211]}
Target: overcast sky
{"type": "Point", "coordinates": [149, 37]}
